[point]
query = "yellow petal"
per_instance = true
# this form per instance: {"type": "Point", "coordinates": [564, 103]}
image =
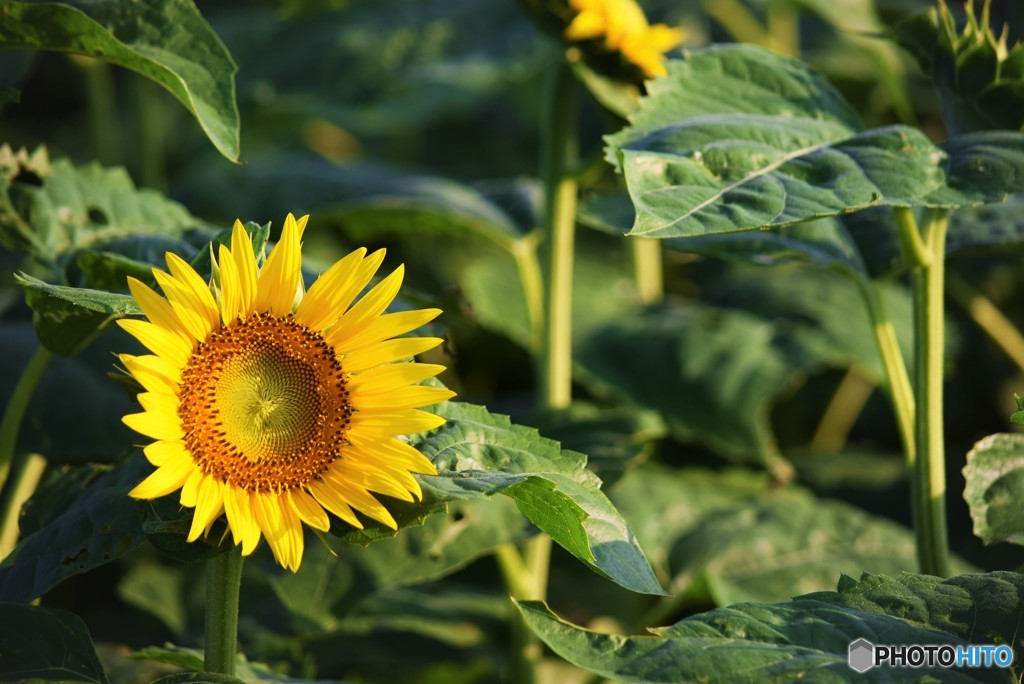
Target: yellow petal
{"type": "Point", "coordinates": [208, 508]}
{"type": "Point", "coordinates": [374, 459]}
{"type": "Point", "coordinates": [279, 280]}
{"type": "Point", "coordinates": [586, 25]}
{"type": "Point", "coordinates": [309, 510]}
{"type": "Point", "coordinates": [156, 308]}
{"type": "Point", "coordinates": [164, 480]}
{"type": "Point", "coordinates": [334, 291]}
{"type": "Point", "coordinates": [388, 352]}
{"type": "Point", "coordinates": [147, 370]}
{"type": "Point", "coordinates": [334, 502]}
{"type": "Point", "coordinates": [154, 425]}
{"type": "Point", "coordinates": [371, 478]}
{"type": "Point", "coordinates": [662, 38]}
{"type": "Point", "coordinates": [163, 452]}
{"type": "Point", "coordinates": [241, 520]}
{"type": "Point", "coordinates": [388, 378]}
{"type": "Point", "coordinates": [384, 327]}
{"type": "Point", "coordinates": [160, 403]}
{"type": "Point", "coordinates": [164, 343]}
{"type": "Point", "coordinates": [229, 287]}
{"type": "Point", "coordinates": [245, 263]}
{"type": "Point", "coordinates": [394, 452]}
{"type": "Point", "coordinates": [196, 293]}
{"type": "Point", "coordinates": [154, 365]}
{"type": "Point", "coordinates": [359, 498]}
{"type": "Point", "coordinates": [416, 396]}
{"type": "Point", "coordinates": [368, 308]}
{"type": "Point", "coordinates": [190, 490]}
{"type": "Point", "coordinates": [184, 307]}
{"type": "Point", "coordinates": [281, 528]}
{"type": "Point", "coordinates": [405, 422]}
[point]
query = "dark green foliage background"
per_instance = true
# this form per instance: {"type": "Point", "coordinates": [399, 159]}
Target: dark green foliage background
{"type": "Point", "coordinates": [414, 125]}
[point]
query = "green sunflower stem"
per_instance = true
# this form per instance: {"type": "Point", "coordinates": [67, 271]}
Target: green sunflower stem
{"type": "Point", "coordinates": [925, 251]}
{"type": "Point", "coordinates": [223, 580]}
{"type": "Point", "coordinates": [10, 424]}
{"type": "Point", "coordinates": [560, 157]}
{"type": "Point", "coordinates": [647, 269]}
{"type": "Point", "coordinates": [526, 573]}
{"type": "Point", "coordinates": [897, 379]}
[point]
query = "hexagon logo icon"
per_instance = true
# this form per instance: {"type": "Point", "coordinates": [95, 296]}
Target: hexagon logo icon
{"type": "Point", "coordinates": [861, 655]}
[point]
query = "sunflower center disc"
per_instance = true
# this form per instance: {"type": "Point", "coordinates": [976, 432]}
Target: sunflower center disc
{"type": "Point", "coordinates": [264, 404]}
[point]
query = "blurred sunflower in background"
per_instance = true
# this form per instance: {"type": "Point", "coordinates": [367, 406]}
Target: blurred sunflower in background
{"type": "Point", "coordinates": [273, 405]}
{"type": "Point", "coordinates": [625, 29]}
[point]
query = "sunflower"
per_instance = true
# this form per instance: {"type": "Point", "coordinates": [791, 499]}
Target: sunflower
{"type": "Point", "coordinates": [626, 30]}
{"type": "Point", "coordinates": [276, 406]}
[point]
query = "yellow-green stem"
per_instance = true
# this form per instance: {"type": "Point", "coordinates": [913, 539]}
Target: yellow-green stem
{"type": "Point", "coordinates": [10, 424]}
{"type": "Point", "coordinates": [842, 411]}
{"type": "Point", "coordinates": [24, 479]}
{"type": "Point", "coordinates": [647, 269]}
{"type": "Point", "coordinates": [528, 265]}
{"type": "Point", "coordinates": [783, 29]}
{"type": "Point", "coordinates": [223, 581]}
{"type": "Point", "coordinates": [559, 161]}
{"type": "Point", "coordinates": [988, 317]}
{"type": "Point", "coordinates": [741, 24]}
{"type": "Point", "coordinates": [928, 478]}
{"type": "Point", "coordinates": [897, 379]}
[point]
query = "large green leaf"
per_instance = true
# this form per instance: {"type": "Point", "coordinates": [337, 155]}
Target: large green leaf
{"type": "Point", "coordinates": [80, 521]}
{"type": "Point", "coordinates": [167, 41]}
{"type": "Point", "coordinates": [479, 454]}
{"type": "Point", "coordinates": [807, 638]}
{"type": "Point", "coordinates": [46, 643]}
{"type": "Point", "coordinates": [51, 210]}
{"type": "Point", "coordinates": [731, 536]}
{"type": "Point", "coordinates": [737, 138]}
{"type": "Point", "coordinates": [995, 485]}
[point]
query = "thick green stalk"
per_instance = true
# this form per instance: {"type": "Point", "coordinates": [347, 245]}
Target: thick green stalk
{"type": "Point", "coordinates": [22, 482]}
{"type": "Point", "coordinates": [647, 269]}
{"type": "Point", "coordinates": [526, 574]}
{"type": "Point", "coordinates": [897, 380]}
{"type": "Point", "coordinates": [559, 161]}
{"type": "Point", "coordinates": [223, 580]}
{"type": "Point", "coordinates": [929, 319]}
{"type": "Point", "coordinates": [10, 424]}
{"type": "Point", "coordinates": [925, 252]}
{"type": "Point", "coordinates": [532, 281]}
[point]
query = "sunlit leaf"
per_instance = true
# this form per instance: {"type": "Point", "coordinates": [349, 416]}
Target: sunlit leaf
{"type": "Point", "coordinates": [995, 484]}
{"type": "Point", "coordinates": [49, 210]}
{"type": "Point", "coordinates": [737, 138]}
{"type": "Point", "coordinates": [479, 454]}
{"type": "Point", "coordinates": [167, 41]}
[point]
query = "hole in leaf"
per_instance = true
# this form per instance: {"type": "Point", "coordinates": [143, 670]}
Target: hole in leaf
{"type": "Point", "coordinates": [458, 516]}
{"type": "Point", "coordinates": [97, 215]}
{"type": "Point", "coordinates": [26, 177]}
